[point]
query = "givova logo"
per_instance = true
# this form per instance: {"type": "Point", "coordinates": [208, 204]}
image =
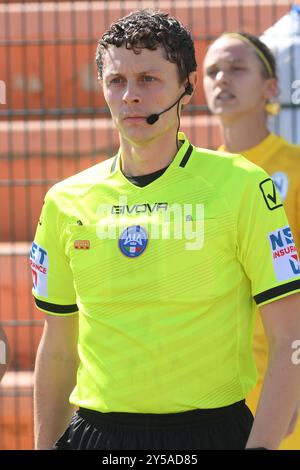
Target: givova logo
{"type": "Point", "coordinates": [284, 254]}
{"type": "Point", "coordinates": [39, 267]}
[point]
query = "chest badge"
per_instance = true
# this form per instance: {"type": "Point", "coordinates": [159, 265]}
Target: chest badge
{"type": "Point", "coordinates": [133, 241]}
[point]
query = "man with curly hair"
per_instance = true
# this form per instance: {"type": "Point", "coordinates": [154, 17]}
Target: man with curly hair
{"type": "Point", "coordinates": [146, 267]}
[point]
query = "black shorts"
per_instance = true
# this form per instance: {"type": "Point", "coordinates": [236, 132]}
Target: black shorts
{"type": "Point", "coordinates": [210, 429]}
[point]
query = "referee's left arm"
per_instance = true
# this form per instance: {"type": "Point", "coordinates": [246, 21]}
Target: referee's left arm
{"type": "Point", "coordinates": [281, 387]}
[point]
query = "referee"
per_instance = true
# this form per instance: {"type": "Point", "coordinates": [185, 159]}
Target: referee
{"type": "Point", "coordinates": [149, 267]}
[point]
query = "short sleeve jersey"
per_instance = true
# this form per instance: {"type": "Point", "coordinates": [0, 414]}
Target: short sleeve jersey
{"type": "Point", "coordinates": [166, 278]}
{"type": "Point", "coordinates": [281, 160]}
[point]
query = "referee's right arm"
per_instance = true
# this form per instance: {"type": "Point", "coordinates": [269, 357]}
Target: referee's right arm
{"type": "Point", "coordinates": [55, 377]}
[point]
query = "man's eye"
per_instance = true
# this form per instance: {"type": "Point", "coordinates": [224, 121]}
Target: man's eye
{"type": "Point", "coordinates": [116, 81]}
{"type": "Point", "coordinates": [148, 78]}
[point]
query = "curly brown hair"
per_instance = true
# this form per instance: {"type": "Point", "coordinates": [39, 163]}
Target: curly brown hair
{"type": "Point", "coordinates": [150, 29]}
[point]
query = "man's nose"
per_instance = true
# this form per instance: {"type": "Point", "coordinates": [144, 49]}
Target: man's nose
{"type": "Point", "coordinates": [131, 94]}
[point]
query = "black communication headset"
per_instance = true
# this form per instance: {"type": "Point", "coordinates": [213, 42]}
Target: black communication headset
{"type": "Point", "coordinates": [155, 117]}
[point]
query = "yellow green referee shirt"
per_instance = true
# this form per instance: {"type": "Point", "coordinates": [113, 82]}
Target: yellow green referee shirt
{"type": "Point", "coordinates": [166, 278]}
{"type": "Point", "coordinates": [281, 160]}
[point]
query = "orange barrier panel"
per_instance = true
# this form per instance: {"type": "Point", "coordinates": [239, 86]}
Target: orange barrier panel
{"type": "Point", "coordinates": [16, 420]}
{"type": "Point", "coordinates": [85, 20]}
{"type": "Point", "coordinates": [60, 76]}
{"type": "Point", "coordinates": [48, 61]}
{"type": "Point", "coordinates": [21, 205]}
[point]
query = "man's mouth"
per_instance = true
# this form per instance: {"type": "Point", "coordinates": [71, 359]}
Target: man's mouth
{"type": "Point", "coordinates": [134, 118]}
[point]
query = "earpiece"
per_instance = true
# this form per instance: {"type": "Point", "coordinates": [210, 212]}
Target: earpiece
{"type": "Point", "coordinates": [189, 89]}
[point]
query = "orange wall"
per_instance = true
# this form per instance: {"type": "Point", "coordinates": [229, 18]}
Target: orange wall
{"type": "Point", "coordinates": [57, 73]}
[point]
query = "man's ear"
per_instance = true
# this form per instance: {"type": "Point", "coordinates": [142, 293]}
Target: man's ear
{"type": "Point", "coordinates": [192, 80]}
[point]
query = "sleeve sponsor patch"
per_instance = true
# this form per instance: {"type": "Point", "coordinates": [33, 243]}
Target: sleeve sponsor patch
{"type": "Point", "coordinates": [39, 267]}
{"type": "Point", "coordinates": [270, 195]}
{"type": "Point", "coordinates": [284, 254]}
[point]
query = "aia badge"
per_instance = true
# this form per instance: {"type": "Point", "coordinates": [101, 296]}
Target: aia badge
{"type": "Point", "coordinates": [133, 241]}
{"type": "Point", "coordinates": [284, 254]}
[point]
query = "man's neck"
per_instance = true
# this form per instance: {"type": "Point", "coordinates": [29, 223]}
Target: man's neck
{"type": "Point", "coordinates": [243, 133]}
{"type": "Point", "coordinates": [149, 157]}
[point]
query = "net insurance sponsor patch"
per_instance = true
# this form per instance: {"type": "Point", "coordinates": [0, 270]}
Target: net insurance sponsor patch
{"type": "Point", "coordinates": [39, 268]}
{"type": "Point", "coordinates": [284, 254]}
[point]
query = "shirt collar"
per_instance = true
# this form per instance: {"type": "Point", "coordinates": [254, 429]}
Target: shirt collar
{"type": "Point", "coordinates": [180, 158]}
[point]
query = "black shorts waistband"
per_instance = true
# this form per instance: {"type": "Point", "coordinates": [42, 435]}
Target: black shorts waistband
{"type": "Point", "coordinates": [197, 416]}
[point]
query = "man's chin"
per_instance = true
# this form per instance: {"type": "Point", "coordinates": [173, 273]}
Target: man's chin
{"type": "Point", "coordinates": [138, 138]}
